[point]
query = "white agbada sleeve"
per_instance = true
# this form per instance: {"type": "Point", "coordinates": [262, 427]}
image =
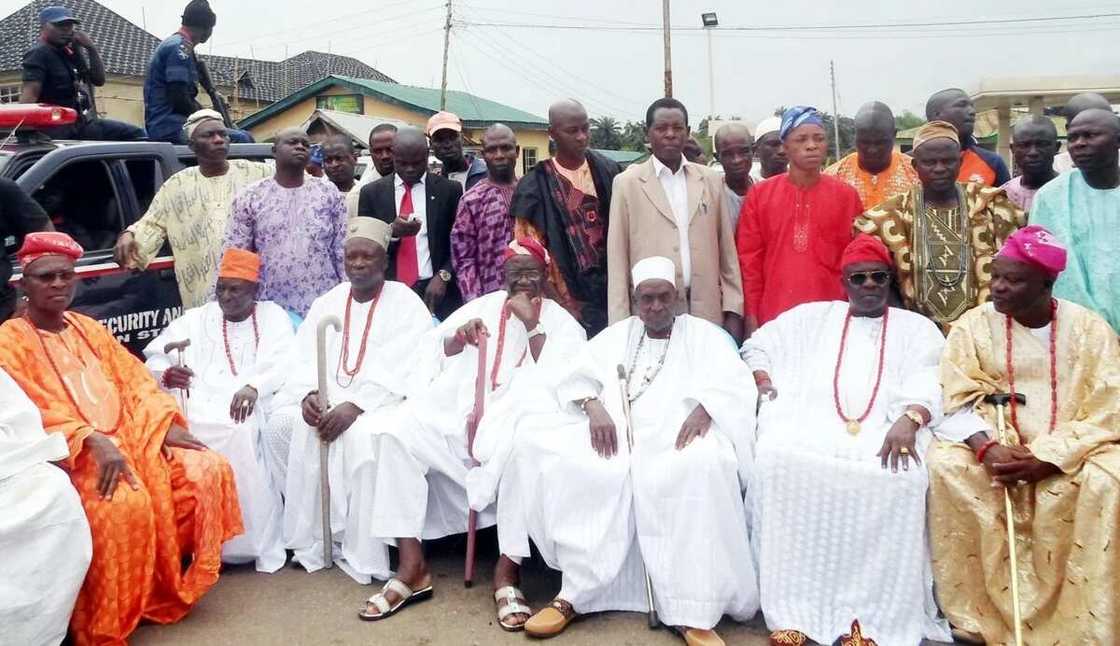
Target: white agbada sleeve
{"type": "Point", "coordinates": [723, 385]}
{"type": "Point", "coordinates": [531, 389]}
{"type": "Point", "coordinates": [23, 442]}
{"type": "Point", "coordinates": [277, 339]}
{"type": "Point", "coordinates": [920, 383]}
{"type": "Point", "coordinates": [177, 330]}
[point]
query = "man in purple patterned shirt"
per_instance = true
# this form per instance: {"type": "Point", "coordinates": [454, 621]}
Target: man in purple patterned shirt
{"type": "Point", "coordinates": [295, 223]}
{"type": "Point", "coordinates": [483, 227]}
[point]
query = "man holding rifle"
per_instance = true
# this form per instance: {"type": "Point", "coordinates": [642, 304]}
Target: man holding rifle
{"type": "Point", "coordinates": [174, 73]}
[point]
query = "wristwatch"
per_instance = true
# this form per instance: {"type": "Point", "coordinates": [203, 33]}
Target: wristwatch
{"type": "Point", "coordinates": [444, 275]}
{"type": "Point", "coordinates": [915, 417]}
{"type": "Point", "coordinates": [537, 331]}
{"type": "Point", "coordinates": [582, 403]}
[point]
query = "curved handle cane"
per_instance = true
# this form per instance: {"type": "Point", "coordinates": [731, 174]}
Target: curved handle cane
{"type": "Point", "coordinates": [324, 448]}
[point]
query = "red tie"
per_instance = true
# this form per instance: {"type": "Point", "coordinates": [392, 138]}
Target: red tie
{"type": "Point", "coordinates": [408, 271]}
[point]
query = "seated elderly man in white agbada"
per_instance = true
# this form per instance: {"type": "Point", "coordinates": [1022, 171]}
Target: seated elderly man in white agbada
{"type": "Point", "coordinates": [422, 480]}
{"type": "Point", "coordinates": [603, 509]}
{"type": "Point", "coordinates": [233, 353]}
{"type": "Point", "coordinates": [367, 364]}
{"type": "Point", "coordinates": [838, 494]}
{"type": "Point", "coordinates": [45, 546]}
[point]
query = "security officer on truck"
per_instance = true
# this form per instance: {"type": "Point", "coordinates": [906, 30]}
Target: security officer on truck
{"type": "Point", "coordinates": [56, 71]}
{"type": "Point", "coordinates": [174, 73]}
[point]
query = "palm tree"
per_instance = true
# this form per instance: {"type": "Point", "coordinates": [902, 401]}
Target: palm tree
{"type": "Point", "coordinates": [605, 134]}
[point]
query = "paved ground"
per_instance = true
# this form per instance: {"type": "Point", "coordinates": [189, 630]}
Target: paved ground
{"type": "Point", "coordinates": [294, 608]}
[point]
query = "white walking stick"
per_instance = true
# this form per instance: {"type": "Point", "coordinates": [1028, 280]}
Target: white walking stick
{"type": "Point", "coordinates": [324, 447]}
{"type": "Point", "coordinates": [178, 347]}
{"type": "Point", "coordinates": [624, 388]}
{"type": "Point", "coordinates": [1000, 401]}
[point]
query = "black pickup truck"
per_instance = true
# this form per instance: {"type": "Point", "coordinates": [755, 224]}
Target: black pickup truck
{"type": "Point", "coordinates": [93, 190]}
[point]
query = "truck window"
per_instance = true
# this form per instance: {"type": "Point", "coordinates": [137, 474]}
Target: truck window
{"type": "Point", "coordinates": [146, 177]}
{"type": "Point", "coordinates": [82, 202]}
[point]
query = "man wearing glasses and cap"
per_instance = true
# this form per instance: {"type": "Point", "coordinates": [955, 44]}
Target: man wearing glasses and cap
{"type": "Point", "coordinates": [847, 393]}
{"type": "Point", "coordinates": [445, 131]}
{"type": "Point", "coordinates": [57, 73]}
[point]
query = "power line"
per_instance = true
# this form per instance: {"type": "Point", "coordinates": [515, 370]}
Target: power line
{"type": "Point", "coordinates": [581, 80]}
{"type": "Point", "coordinates": [535, 77]}
{"type": "Point", "coordinates": [772, 28]}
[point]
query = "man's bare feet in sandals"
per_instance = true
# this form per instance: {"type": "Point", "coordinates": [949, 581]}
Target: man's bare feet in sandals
{"type": "Point", "coordinates": [513, 610]}
{"type": "Point", "coordinates": [412, 583]}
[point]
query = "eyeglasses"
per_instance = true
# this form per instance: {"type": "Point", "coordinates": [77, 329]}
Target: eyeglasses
{"type": "Point", "coordinates": [876, 277]}
{"type": "Point", "coordinates": [532, 275]}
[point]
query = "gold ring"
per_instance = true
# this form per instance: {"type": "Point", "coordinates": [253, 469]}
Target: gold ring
{"type": "Point", "coordinates": [904, 451]}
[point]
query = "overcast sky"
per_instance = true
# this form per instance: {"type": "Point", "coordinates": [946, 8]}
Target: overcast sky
{"type": "Point", "coordinates": [612, 56]}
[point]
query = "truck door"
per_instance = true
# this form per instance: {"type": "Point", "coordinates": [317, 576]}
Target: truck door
{"type": "Point", "coordinates": [93, 199]}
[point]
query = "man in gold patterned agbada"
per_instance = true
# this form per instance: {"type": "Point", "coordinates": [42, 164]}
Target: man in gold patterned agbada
{"type": "Point", "coordinates": [1061, 462]}
{"type": "Point", "coordinates": [942, 233]}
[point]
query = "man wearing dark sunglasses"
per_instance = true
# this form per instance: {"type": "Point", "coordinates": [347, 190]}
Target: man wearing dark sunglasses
{"type": "Point", "coordinates": [848, 392]}
{"type": "Point", "coordinates": [942, 234]}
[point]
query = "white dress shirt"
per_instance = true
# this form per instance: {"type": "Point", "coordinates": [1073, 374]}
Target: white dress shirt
{"type": "Point", "coordinates": [420, 211]}
{"type": "Point", "coordinates": [676, 190]}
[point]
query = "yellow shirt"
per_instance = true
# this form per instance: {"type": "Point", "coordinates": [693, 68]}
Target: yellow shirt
{"type": "Point", "coordinates": [191, 212]}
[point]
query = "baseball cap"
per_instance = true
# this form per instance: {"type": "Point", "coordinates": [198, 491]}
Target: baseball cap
{"type": "Point", "coordinates": [444, 121]}
{"type": "Point", "coordinates": [56, 15]}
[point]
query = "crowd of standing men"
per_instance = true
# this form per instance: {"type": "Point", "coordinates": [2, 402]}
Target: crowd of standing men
{"type": "Point", "coordinates": [878, 400]}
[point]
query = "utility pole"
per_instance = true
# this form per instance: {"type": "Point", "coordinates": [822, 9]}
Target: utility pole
{"type": "Point", "coordinates": [446, 45]}
{"type": "Point", "coordinates": [668, 48]}
{"type": "Point", "coordinates": [710, 21]}
{"type": "Point", "coordinates": [835, 114]}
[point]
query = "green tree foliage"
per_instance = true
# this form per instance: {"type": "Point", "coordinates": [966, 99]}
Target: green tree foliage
{"type": "Point", "coordinates": [606, 134]}
{"type": "Point", "coordinates": [907, 120]}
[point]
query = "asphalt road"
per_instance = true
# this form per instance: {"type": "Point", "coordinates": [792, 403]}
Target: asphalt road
{"type": "Point", "coordinates": [294, 608]}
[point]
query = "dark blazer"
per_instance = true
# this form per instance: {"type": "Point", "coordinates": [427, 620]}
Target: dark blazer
{"type": "Point", "coordinates": [378, 199]}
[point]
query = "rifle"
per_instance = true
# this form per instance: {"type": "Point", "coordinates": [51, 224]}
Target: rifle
{"type": "Point", "coordinates": [215, 98]}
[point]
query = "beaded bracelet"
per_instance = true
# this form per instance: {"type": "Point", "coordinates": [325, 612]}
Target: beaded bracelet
{"type": "Point", "coordinates": [984, 449]}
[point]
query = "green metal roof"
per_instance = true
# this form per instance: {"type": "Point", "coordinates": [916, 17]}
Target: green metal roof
{"type": "Point", "coordinates": [622, 156]}
{"type": "Point", "coordinates": [475, 112]}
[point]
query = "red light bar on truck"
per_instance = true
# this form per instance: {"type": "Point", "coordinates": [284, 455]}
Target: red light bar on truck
{"type": "Point", "coordinates": [35, 115]}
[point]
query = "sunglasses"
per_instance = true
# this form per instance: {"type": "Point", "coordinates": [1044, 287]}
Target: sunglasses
{"type": "Point", "coordinates": [876, 277]}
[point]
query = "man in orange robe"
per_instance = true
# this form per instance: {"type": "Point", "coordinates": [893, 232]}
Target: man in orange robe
{"type": "Point", "coordinates": [154, 496]}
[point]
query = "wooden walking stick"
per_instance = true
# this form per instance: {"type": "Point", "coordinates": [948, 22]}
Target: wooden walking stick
{"type": "Point", "coordinates": [324, 447]}
{"type": "Point", "coordinates": [472, 430]}
{"type": "Point", "coordinates": [1001, 401]}
{"type": "Point", "coordinates": [624, 390]}
{"type": "Point", "coordinates": [178, 347]}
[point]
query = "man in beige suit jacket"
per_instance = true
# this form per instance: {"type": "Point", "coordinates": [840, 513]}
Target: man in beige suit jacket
{"type": "Point", "coordinates": [668, 207]}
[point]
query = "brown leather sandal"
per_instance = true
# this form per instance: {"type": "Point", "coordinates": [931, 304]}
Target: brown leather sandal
{"type": "Point", "coordinates": [551, 620]}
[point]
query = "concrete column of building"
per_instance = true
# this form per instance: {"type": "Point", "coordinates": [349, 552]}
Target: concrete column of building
{"type": "Point", "coordinates": [1036, 105]}
{"type": "Point", "coordinates": [1003, 145]}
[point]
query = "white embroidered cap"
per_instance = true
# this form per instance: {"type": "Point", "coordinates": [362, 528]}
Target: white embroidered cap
{"type": "Point", "coordinates": [654, 268]}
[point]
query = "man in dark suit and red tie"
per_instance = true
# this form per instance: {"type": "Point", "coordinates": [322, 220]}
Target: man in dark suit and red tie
{"type": "Point", "coordinates": [421, 208]}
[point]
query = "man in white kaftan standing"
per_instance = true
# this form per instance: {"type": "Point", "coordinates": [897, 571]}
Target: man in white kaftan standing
{"type": "Point", "coordinates": [422, 480]}
{"type": "Point", "coordinates": [45, 546]}
{"type": "Point", "coordinates": [231, 369]}
{"type": "Point", "coordinates": [367, 366]}
{"type": "Point", "coordinates": [671, 504]}
{"type": "Point", "coordinates": [848, 391]}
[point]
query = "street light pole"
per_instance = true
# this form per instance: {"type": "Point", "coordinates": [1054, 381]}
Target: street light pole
{"type": "Point", "coordinates": [668, 48]}
{"type": "Point", "coordinates": [710, 22]}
